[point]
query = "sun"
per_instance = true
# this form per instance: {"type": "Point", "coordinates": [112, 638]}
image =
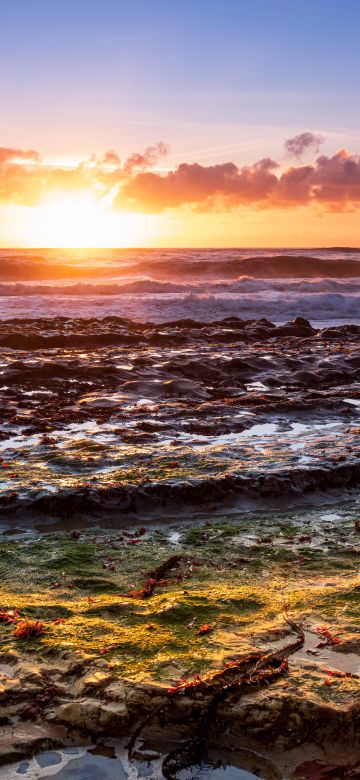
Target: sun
{"type": "Point", "coordinates": [80, 220]}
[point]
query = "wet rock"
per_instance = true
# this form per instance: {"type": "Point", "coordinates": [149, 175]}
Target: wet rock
{"type": "Point", "coordinates": [298, 327]}
{"type": "Point", "coordinates": [94, 716]}
{"type": "Point", "coordinates": [94, 682]}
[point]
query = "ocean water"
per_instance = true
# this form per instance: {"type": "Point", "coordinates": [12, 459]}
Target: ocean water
{"type": "Point", "coordinates": [159, 285]}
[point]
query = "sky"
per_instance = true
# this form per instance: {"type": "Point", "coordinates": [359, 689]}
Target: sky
{"type": "Point", "coordinates": [213, 88]}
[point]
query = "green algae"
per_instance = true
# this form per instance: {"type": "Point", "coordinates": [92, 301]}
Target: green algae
{"type": "Point", "coordinates": [226, 578]}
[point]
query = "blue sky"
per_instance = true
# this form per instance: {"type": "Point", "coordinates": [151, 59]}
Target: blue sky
{"type": "Point", "coordinates": [212, 77]}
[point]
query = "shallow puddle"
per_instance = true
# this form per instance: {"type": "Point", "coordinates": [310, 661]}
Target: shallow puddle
{"type": "Point", "coordinates": [123, 452]}
{"type": "Point", "coordinates": [111, 763]}
{"type": "Point", "coordinates": [326, 657]}
{"type": "Point", "coordinates": [80, 764]}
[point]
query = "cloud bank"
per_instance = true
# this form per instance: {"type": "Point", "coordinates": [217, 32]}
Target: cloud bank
{"type": "Point", "coordinates": [330, 182]}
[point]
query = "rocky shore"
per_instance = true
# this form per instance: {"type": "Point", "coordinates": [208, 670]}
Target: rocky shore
{"type": "Point", "coordinates": [179, 543]}
{"type": "Point", "coordinates": [202, 414]}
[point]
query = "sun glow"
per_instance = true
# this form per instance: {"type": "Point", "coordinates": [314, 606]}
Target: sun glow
{"type": "Point", "coordinates": [80, 220]}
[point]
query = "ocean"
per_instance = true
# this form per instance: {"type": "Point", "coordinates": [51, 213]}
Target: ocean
{"type": "Point", "coordinates": [159, 285]}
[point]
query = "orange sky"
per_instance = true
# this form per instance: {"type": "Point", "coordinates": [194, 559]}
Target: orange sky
{"type": "Point", "coordinates": [50, 227]}
{"type": "Point", "coordinates": [307, 198]}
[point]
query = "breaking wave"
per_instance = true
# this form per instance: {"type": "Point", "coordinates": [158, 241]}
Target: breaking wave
{"type": "Point", "coordinates": [243, 285]}
{"type": "Point", "coordinates": [321, 307]}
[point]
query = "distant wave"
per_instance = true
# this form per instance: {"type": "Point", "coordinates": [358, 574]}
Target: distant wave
{"type": "Point", "coordinates": [263, 267]}
{"type": "Point", "coordinates": [84, 288]}
{"type": "Point", "coordinates": [176, 266]}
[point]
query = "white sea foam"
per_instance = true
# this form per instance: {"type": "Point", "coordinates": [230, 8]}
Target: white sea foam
{"type": "Point", "coordinates": [161, 308]}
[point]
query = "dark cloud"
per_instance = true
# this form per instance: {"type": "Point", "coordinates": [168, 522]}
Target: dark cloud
{"type": "Point", "coordinates": [207, 186]}
{"type": "Point", "coordinates": [336, 180]}
{"type": "Point", "coordinates": [302, 143]}
{"type": "Point", "coordinates": [333, 182]}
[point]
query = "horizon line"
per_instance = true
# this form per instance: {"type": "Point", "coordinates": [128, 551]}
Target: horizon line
{"type": "Point", "coordinates": [337, 247]}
